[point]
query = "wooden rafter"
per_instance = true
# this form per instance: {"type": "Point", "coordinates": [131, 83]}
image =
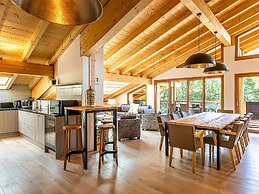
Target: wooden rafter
{"type": "Point", "coordinates": [8, 66]}
{"type": "Point", "coordinates": [35, 38]}
{"type": "Point", "coordinates": [208, 19]}
{"type": "Point", "coordinates": [121, 91]}
{"type": "Point", "coordinates": [187, 43]}
{"type": "Point", "coordinates": [34, 81]}
{"type": "Point", "coordinates": [66, 43]}
{"type": "Point", "coordinates": [154, 54]}
{"type": "Point", "coordinates": [164, 10]}
{"type": "Point", "coordinates": [125, 78]}
{"type": "Point", "coordinates": [111, 22]}
{"type": "Point", "coordinates": [41, 87]}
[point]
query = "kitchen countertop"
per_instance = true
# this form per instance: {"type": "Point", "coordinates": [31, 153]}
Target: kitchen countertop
{"type": "Point", "coordinates": [30, 110]}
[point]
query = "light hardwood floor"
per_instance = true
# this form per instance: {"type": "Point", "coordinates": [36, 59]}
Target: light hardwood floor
{"type": "Point", "coordinates": [24, 168]}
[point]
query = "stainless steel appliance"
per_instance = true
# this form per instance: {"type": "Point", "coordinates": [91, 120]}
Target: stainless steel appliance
{"type": "Point", "coordinates": [50, 132]}
{"type": "Point", "coordinates": [17, 104]}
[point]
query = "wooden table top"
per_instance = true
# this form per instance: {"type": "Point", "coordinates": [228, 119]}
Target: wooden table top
{"type": "Point", "coordinates": [208, 120]}
{"type": "Point", "coordinates": [91, 108]}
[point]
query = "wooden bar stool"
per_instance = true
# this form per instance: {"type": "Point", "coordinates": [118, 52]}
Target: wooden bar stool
{"type": "Point", "coordinates": [67, 151]}
{"type": "Point", "coordinates": [102, 151]}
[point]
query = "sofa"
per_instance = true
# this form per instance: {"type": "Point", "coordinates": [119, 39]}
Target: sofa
{"type": "Point", "coordinates": [128, 127]}
{"type": "Point", "coordinates": [124, 109]}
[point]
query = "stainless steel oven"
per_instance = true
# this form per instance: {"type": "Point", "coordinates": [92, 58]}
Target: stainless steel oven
{"type": "Point", "coordinates": [50, 132]}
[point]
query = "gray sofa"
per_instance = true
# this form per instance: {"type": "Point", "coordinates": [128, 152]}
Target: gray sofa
{"type": "Point", "coordinates": [124, 108]}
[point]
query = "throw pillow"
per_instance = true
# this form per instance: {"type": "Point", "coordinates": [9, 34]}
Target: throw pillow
{"type": "Point", "coordinates": [133, 108]}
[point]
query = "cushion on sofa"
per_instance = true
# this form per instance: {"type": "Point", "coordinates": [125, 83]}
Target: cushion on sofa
{"type": "Point", "coordinates": [125, 107]}
{"type": "Point", "coordinates": [133, 108]}
{"type": "Point", "coordinates": [148, 111]}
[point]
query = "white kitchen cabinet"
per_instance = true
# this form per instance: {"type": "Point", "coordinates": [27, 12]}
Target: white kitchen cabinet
{"type": "Point", "coordinates": [8, 121]}
{"type": "Point", "coordinates": [32, 125]}
{"type": "Point", "coordinates": [40, 126]}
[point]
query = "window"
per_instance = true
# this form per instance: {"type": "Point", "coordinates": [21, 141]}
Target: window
{"type": "Point", "coordinates": [5, 81]}
{"type": "Point", "coordinates": [212, 94]}
{"type": "Point", "coordinates": [163, 99]}
{"type": "Point", "coordinates": [197, 94]}
{"type": "Point", "coordinates": [247, 45]}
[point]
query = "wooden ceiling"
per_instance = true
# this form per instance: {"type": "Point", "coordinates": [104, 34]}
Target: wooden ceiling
{"type": "Point", "coordinates": [161, 35]}
{"type": "Point", "coordinates": [164, 34]}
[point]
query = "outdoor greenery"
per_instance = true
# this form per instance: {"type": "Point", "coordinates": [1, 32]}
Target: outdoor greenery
{"type": "Point", "coordinates": [251, 89]}
{"type": "Point", "coordinates": [181, 90]}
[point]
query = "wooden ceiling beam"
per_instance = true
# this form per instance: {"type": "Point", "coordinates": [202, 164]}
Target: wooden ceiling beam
{"type": "Point", "coordinates": [121, 91]}
{"type": "Point", "coordinates": [67, 42]}
{"type": "Point", "coordinates": [116, 14]}
{"type": "Point", "coordinates": [126, 78]}
{"type": "Point", "coordinates": [159, 14]}
{"type": "Point", "coordinates": [133, 53]}
{"type": "Point", "coordinates": [41, 88]}
{"type": "Point", "coordinates": [24, 68]}
{"type": "Point", "coordinates": [34, 40]}
{"type": "Point", "coordinates": [182, 43]}
{"type": "Point", "coordinates": [137, 89]}
{"type": "Point", "coordinates": [34, 81]}
{"type": "Point", "coordinates": [208, 19]}
{"type": "Point", "coordinates": [190, 25]}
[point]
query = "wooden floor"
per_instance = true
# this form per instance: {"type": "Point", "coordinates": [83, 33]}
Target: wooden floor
{"type": "Point", "coordinates": [24, 168]}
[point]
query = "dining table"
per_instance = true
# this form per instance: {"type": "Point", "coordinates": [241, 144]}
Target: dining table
{"type": "Point", "coordinates": [205, 121]}
{"type": "Point", "coordinates": [84, 110]}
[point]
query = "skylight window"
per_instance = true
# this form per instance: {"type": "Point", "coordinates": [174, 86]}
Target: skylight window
{"type": "Point", "coordinates": [5, 81]}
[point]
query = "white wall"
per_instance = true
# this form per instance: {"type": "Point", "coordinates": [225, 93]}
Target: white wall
{"type": "Point", "coordinates": [70, 64]}
{"type": "Point", "coordinates": [241, 66]}
{"type": "Point", "coordinates": [16, 92]}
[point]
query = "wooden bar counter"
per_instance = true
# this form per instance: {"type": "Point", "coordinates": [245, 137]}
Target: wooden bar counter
{"type": "Point", "coordinates": [84, 111]}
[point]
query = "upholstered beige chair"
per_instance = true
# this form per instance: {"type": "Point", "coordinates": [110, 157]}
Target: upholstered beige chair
{"type": "Point", "coordinates": [185, 137]}
{"type": "Point", "coordinates": [228, 139]}
{"type": "Point", "coordinates": [161, 122]}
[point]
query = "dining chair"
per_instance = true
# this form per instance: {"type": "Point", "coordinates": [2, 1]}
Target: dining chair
{"type": "Point", "coordinates": [161, 123]}
{"type": "Point", "coordinates": [185, 113]}
{"type": "Point", "coordinates": [185, 137]}
{"type": "Point", "coordinates": [175, 115]}
{"type": "Point", "coordinates": [228, 139]}
{"type": "Point", "coordinates": [225, 111]}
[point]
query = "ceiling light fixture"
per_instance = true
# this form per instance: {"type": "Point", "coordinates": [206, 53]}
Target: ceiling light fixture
{"type": "Point", "coordinates": [219, 68]}
{"type": "Point", "coordinates": [199, 60]}
{"type": "Point", "coordinates": [65, 12]}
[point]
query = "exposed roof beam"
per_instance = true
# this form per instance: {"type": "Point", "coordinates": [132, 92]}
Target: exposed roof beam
{"type": "Point", "coordinates": [41, 87]}
{"type": "Point", "coordinates": [9, 66]}
{"type": "Point", "coordinates": [208, 19]}
{"type": "Point", "coordinates": [136, 89]}
{"type": "Point", "coordinates": [34, 81]}
{"type": "Point", "coordinates": [36, 36]}
{"type": "Point", "coordinates": [148, 23]}
{"type": "Point", "coordinates": [116, 14]}
{"type": "Point", "coordinates": [66, 43]}
{"type": "Point", "coordinates": [121, 91]}
{"type": "Point", "coordinates": [184, 45]}
{"type": "Point", "coordinates": [126, 78]}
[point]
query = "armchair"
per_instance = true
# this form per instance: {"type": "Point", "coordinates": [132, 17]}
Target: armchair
{"type": "Point", "coordinates": [128, 127]}
{"type": "Point", "coordinates": [184, 137]}
{"type": "Point", "coordinates": [149, 122]}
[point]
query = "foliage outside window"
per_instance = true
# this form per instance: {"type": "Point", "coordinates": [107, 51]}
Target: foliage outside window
{"type": "Point", "coordinates": [212, 94]}
{"type": "Point", "coordinates": [251, 89]}
{"type": "Point", "coordinates": [164, 98]}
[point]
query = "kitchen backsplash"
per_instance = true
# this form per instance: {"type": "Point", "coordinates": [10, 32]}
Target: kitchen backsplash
{"type": "Point", "coordinates": [16, 92]}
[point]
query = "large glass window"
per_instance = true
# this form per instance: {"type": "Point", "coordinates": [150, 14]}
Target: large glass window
{"type": "Point", "coordinates": [212, 94]}
{"type": "Point", "coordinates": [181, 95]}
{"type": "Point", "coordinates": [195, 95]}
{"type": "Point", "coordinates": [198, 94]}
{"type": "Point", "coordinates": [163, 97]}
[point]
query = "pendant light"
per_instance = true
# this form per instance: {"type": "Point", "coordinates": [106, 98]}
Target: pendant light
{"type": "Point", "coordinates": [65, 12]}
{"type": "Point", "coordinates": [219, 68]}
{"type": "Point", "coordinates": [199, 60]}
